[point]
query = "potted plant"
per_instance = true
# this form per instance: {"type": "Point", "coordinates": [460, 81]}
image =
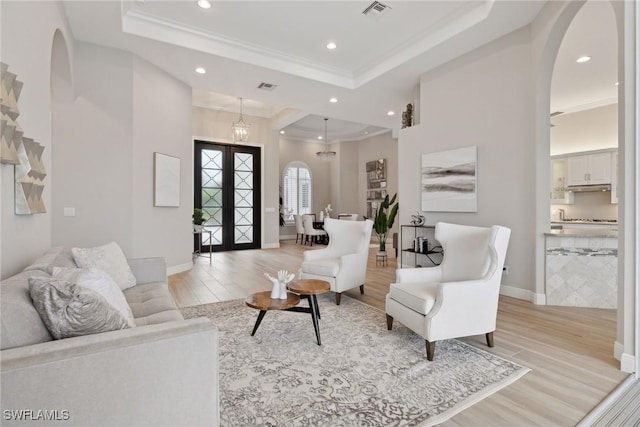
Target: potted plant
{"type": "Point", "coordinates": [198, 219]}
{"type": "Point", "coordinates": [384, 219]}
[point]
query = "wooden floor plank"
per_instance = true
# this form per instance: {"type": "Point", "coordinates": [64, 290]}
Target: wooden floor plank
{"type": "Point", "coordinates": [570, 350]}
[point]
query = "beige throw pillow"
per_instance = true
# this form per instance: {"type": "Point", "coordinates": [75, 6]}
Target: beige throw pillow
{"type": "Point", "coordinates": [101, 282]}
{"type": "Point", "coordinates": [70, 310]}
{"type": "Point", "coordinates": [108, 258]}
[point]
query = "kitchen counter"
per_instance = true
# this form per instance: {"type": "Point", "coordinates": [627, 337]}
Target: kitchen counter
{"type": "Point", "coordinates": [584, 232]}
{"type": "Point", "coordinates": [581, 267]}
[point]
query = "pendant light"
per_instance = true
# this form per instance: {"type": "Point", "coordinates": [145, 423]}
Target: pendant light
{"type": "Point", "coordinates": [240, 128]}
{"type": "Point", "coordinates": [326, 154]}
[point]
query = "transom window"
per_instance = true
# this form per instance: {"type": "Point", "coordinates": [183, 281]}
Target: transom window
{"type": "Point", "coordinates": [297, 191]}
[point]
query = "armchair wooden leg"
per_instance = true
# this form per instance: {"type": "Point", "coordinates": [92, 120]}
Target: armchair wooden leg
{"type": "Point", "coordinates": [338, 295]}
{"type": "Point", "coordinates": [431, 349]}
{"type": "Point", "coordinates": [389, 322]}
{"type": "Point", "coordinates": [489, 336]}
{"type": "Point", "coordinates": [362, 289]}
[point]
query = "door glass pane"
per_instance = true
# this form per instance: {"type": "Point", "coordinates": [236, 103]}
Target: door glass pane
{"type": "Point", "coordinates": [243, 198]}
{"type": "Point", "coordinates": [211, 191]}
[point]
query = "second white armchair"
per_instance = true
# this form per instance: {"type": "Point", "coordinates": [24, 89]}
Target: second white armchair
{"type": "Point", "coordinates": [343, 263]}
{"type": "Point", "coordinates": [459, 297]}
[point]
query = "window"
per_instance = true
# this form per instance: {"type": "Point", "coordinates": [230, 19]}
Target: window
{"type": "Point", "coordinates": [297, 191]}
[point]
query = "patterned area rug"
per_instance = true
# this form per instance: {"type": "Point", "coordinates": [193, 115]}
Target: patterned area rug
{"type": "Point", "coordinates": [362, 375]}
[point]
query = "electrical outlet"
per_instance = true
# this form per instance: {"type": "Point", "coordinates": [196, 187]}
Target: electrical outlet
{"type": "Point", "coordinates": [505, 270]}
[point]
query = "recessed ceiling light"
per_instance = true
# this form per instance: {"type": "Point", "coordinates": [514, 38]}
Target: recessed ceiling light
{"type": "Point", "coordinates": [333, 100]}
{"type": "Point", "coordinates": [201, 70]}
{"type": "Point", "coordinates": [204, 4]}
{"type": "Point", "coordinates": [390, 113]}
{"type": "Point", "coordinates": [331, 45]}
{"type": "Point", "coordinates": [617, 83]}
{"type": "Point", "coordinates": [320, 137]}
{"type": "Point", "coordinates": [583, 59]}
{"type": "Point", "coordinates": [366, 132]}
{"type": "Point", "coordinates": [281, 132]}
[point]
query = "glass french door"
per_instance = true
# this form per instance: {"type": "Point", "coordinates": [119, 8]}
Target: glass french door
{"type": "Point", "coordinates": [227, 189]}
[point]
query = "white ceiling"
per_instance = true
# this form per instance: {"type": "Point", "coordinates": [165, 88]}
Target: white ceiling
{"type": "Point", "coordinates": [374, 69]}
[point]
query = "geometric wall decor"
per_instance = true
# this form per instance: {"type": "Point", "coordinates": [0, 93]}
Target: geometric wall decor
{"type": "Point", "coordinates": [29, 175]}
{"type": "Point", "coordinates": [11, 134]}
{"type": "Point", "coordinates": [18, 150]}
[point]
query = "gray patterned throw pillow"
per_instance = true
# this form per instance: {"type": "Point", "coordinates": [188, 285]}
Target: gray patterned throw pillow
{"type": "Point", "coordinates": [69, 310]}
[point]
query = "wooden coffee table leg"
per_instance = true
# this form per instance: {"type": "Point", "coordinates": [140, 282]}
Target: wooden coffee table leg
{"type": "Point", "coordinates": [314, 316]}
{"type": "Point", "coordinates": [260, 316]}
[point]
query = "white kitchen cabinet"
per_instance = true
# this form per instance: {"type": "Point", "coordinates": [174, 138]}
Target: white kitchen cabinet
{"type": "Point", "coordinates": [558, 182]}
{"type": "Point", "coordinates": [589, 169]}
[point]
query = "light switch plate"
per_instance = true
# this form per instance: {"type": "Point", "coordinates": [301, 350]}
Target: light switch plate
{"type": "Point", "coordinates": [69, 211]}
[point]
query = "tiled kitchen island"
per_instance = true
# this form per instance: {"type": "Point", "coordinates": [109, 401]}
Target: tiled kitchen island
{"type": "Point", "coordinates": [581, 268]}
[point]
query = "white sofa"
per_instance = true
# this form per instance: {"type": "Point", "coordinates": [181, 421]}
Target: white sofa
{"type": "Point", "coordinates": [163, 372]}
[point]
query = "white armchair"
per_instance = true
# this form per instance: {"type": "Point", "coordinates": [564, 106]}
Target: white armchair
{"type": "Point", "coordinates": [459, 297]}
{"type": "Point", "coordinates": [343, 263]}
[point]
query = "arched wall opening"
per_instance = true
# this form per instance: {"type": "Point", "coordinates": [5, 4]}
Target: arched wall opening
{"type": "Point", "coordinates": [61, 94]}
{"type": "Point", "coordinates": [623, 348]}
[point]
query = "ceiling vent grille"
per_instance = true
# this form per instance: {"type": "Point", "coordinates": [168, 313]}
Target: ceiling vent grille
{"type": "Point", "coordinates": [267, 86]}
{"type": "Point", "coordinates": [376, 7]}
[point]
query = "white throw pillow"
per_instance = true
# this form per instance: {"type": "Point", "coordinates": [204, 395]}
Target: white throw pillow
{"type": "Point", "coordinates": [108, 258]}
{"type": "Point", "coordinates": [100, 282]}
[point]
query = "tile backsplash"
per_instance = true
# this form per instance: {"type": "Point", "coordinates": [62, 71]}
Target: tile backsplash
{"type": "Point", "coordinates": [588, 205]}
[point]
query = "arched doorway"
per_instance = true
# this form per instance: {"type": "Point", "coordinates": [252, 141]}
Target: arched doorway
{"type": "Point", "coordinates": [62, 94]}
{"type": "Point", "coordinates": [549, 48]}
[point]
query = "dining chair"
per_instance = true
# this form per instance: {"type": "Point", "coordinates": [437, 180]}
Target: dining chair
{"type": "Point", "coordinates": [311, 232]}
{"type": "Point", "coordinates": [299, 228]}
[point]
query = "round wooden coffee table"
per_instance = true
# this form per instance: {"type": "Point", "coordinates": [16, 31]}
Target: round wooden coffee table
{"type": "Point", "coordinates": [262, 301]}
{"type": "Point", "coordinates": [309, 288]}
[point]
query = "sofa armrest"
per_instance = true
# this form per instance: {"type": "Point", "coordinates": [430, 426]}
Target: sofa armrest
{"type": "Point", "coordinates": [148, 270]}
{"type": "Point", "coordinates": [164, 375]}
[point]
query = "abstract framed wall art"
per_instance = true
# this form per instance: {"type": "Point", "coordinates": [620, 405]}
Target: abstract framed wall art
{"type": "Point", "coordinates": [449, 181]}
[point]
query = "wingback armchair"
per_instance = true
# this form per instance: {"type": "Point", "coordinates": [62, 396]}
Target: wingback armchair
{"type": "Point", "coordinates": [459, 297]}
{"type": "Point", "coordinates": [343, 263]}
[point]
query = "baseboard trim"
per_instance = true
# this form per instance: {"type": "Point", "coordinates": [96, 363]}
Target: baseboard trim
{"type": "Point", "coordinates": [271, 245]}
{"type": "Point", "coordinates": [175, 269]}
{"type": "Point", "coordinates": [627, 361]}
{"type": "Point", "coordinates": [524, 294]}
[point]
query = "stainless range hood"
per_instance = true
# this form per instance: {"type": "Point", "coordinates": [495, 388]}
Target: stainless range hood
{"type": "Point", "coordinates": [584, 188]}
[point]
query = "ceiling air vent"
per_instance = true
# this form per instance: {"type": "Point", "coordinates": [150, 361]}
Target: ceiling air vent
{"type": "Point", "coordinates": [376, 7]}
{"type": "Point", "coordinates": [267, 86]}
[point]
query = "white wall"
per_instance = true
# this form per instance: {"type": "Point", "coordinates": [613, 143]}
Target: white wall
{"type": "Point", "coordinates": [586, 130]}
{"type": "Point", "coordinates": [27, 31]}
{"type": "Point", "coordinates": [125, 110]}
{"type": "Point", "coordinates": [162, 123]}
{"type": "Point", "coordinates": [215, 125]}
{"type": "Point", "coordinates": [484, 98]}
{"type": "Point", "coordinates": [93, 157]}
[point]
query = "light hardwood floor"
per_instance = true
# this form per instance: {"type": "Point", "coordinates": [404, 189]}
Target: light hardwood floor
{"type": "Point", "coordinates": [569, 350]}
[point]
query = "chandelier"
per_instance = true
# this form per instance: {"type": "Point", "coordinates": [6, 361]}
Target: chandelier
{"type": "Point", "coordinates": [240, 128]}
{"type": "Point", "coordinates": [326, 154]}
